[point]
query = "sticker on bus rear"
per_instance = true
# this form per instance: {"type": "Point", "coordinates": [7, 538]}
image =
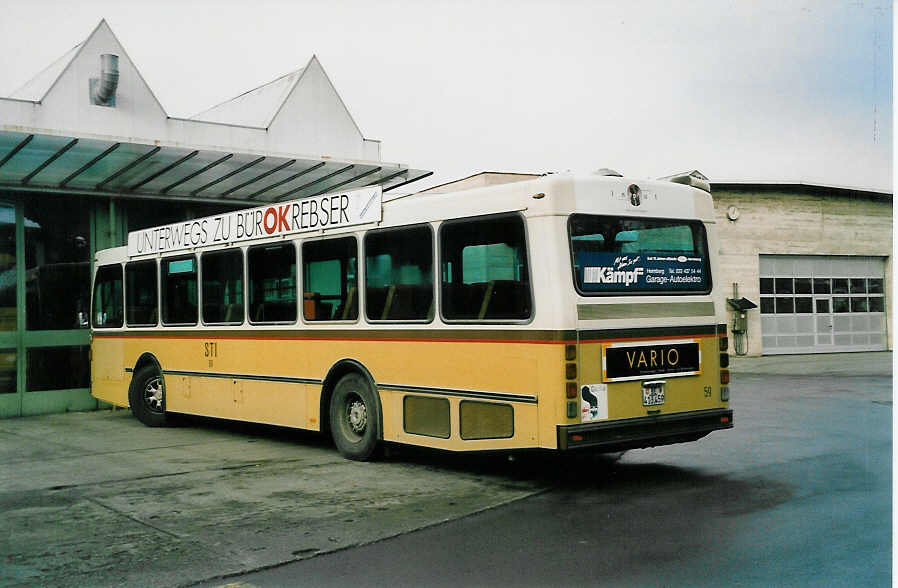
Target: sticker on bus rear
{"type": "Point", "coordinates": [593, 402]}
{"type": "Point", "coordinates": [620, 273]}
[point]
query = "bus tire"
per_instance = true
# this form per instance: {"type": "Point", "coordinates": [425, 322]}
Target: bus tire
{"type": "Point", "coordinates": [147, 397]}
{"type": "Point", "coordinates": [354, 418]}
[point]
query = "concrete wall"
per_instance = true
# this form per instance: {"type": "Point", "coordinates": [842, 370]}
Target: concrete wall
{"type": "Point", "coordinates": [800, 222]}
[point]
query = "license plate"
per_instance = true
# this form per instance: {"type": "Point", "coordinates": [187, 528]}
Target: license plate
{"type": "Point", "coordinates": [652, 393]}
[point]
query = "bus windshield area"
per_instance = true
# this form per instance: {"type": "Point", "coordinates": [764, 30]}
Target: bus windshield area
{"type": "Point", "coordinates": [614, 255]}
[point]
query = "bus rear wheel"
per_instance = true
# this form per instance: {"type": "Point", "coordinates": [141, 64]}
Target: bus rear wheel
{"type": "Point", "coordinates": [354, 418]}
{"type": "Point", "coordinates": [147, 397]}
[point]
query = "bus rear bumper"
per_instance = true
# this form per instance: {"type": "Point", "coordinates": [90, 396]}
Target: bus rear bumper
{"type": "Point", "coordinates": [644, 431]}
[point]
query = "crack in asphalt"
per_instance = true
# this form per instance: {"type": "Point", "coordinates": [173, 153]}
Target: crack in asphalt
{"type": "Point", "coordinates": [169, 475]}
{"type": "Point", "coordinates": [131, 518]}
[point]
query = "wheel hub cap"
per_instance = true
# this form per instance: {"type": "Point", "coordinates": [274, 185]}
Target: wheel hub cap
{"type": "Point", "coordinates": [153, 395]}
{"type": "Point", "coordinates": [358, 416]}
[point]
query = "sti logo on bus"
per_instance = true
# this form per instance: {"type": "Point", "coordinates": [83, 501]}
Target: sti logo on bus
{"type": "Point", "coordinates": [339, 209]}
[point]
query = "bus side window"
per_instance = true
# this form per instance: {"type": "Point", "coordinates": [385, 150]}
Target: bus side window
{"type": "Point", "coordinates": [223, 287]}
{"type": "Point", "coordinates": [272, 283]}
{"type": "Point", "coordinates": [179, 291]}
{"type": "Point", "coordinates": [399, 274]}
{"type": "Point", "coordinates": [141, 308]}
{"type": "Point", "coordinates": [330, 283]}
{"type": "Point", "coordinates": [484, 269]}
{"type": "Point", "coordinates": [108, 303]}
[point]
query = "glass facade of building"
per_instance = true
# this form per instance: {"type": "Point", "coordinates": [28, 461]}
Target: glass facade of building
{"type": "Point", "coordinates": [47, 243]}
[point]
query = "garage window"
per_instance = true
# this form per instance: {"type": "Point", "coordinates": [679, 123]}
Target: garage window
{"type": "Point", "coordinates": [797, 295]}
{"type": "Point", "coordinates": [821, 303]}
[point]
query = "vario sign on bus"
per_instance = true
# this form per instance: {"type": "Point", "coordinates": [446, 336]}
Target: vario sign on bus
{"type": "Point", "coordinates": [338, 209]}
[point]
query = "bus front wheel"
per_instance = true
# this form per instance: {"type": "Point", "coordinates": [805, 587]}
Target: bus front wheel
{"type": "Point", "coordinates": [147, 397]}
{"type": "Point", "coordinates": [354, 418]}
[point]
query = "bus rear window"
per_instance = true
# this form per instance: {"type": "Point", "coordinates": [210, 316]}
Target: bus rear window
{"type": "Point", "coordinates": [613, 255]}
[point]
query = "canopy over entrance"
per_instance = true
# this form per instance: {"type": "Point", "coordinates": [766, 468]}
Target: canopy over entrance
{"type": "Point", "coordinates": [113, 167]}
{"type": "Point", "coordinates": [90, 124]}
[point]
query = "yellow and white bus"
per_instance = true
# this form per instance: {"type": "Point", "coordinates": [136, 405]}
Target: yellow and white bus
{"type": "Point", "coordinates": [559, 313]}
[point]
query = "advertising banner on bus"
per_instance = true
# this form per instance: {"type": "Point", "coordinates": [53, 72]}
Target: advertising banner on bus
{"type": "Point", "coordinates": [603, 272]}
{"type": "Point", "coordinates": [326, 211]}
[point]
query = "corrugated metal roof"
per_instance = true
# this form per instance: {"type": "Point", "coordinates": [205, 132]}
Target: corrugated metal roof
{"type": "Point", "coordinates": [770, 185]}
{"type": "Point", "coordinates": [254, 108]}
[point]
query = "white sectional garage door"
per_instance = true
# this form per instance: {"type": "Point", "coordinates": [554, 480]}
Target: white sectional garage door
{"type": "Point", "coordinates": [822, 303]}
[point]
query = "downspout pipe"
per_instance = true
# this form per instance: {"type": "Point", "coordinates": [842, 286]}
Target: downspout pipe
{"type": "Point", "coordinates": [105, 87]}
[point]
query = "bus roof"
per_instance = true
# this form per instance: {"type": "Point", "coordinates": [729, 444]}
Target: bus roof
{"type": "Point", "coordinates": [557, 194]}
{"type": "Point", "coordinates": [341, 212]}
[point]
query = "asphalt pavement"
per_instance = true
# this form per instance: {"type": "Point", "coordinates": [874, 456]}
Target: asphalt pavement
{"type": "Point", "coordinates": [98, 499]}
{"type": "Point", "coordinates": [799, 493]}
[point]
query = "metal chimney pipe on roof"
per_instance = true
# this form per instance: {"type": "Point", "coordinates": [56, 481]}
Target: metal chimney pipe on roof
{"type": "Point", "coordinates": [103, 89]}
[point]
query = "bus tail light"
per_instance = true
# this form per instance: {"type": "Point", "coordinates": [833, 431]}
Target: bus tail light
{"type": "Point", "coordinates": [570, 371]}
{"type": "Point", "coordinates": [724, 377]}
{"type": "Point", "coordinates": [570, 352]}
{"type": "Point", "coordinates": [724, 393]}
{"type": "Point", "coordinates": [571, 389]}
{"type": "Point", "coordinates": [724, 343]}
{"type": "Point", "coordinates": [724, 360]}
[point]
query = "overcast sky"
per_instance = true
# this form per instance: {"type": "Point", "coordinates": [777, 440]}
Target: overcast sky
{"type": "Point", "coordinates": [772, 90]}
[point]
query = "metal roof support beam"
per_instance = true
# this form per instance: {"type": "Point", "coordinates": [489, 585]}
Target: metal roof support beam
{"type": "Point", "coordinates": [261, 176]}
{"type": "Point", "coordinates": [163, 170]}
{"type": "Point", "coordinates": [286, 180]}
{"type": "Point", "coordinates": [243, 167]}
{"type": "Point", "coordinates": [173, 199]}
{"type": "Point", "coordinates": [89, 164]}
{"type": "Point", "coordinates": [387, 178]}
{"type": "Point", "coordinates": [189, 177]}
{"type": "Point", "coordinates": [137, 161]}
{"type": "Point", "coordinates": [321, 179]}
{"type": "Point", "coordinates": [421, 177]}
{"type": "Point", "coordinates": [349, 181]}
{"type": "Point", "coordinates": [16, 149]}
{"type": "Point", "coordinates": [49, 160]}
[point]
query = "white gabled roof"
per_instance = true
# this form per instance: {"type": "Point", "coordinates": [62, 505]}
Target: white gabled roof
{"type": "Point", "coordinates": [290, 138]}
{"type": "Point", "coordinates": [255, 108]}
{"type": "Point", "coordinates": [37, 87]}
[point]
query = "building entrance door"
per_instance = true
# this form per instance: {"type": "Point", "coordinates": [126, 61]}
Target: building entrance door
{"type": "Point", "coordinates": [45, 252]}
